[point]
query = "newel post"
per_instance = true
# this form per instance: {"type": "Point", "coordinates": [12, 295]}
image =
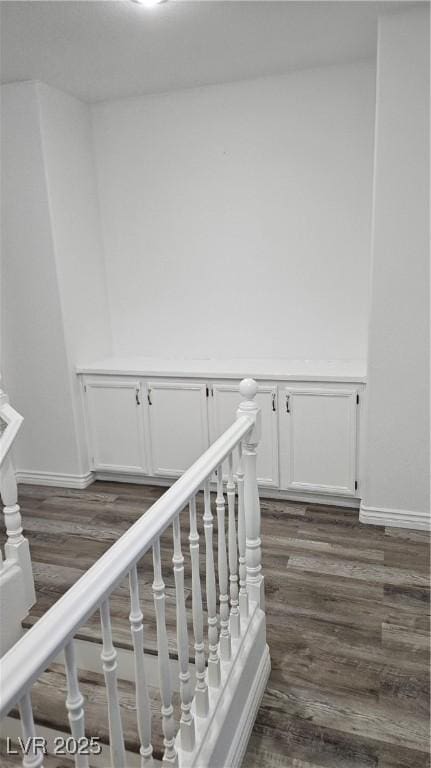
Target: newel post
{"type": "Point", "coordinates": [16, 547]}
{"type": "Point", "coordinates": [249, 406]}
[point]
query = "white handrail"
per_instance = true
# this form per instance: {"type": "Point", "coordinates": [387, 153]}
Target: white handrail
{"type": "Point", "coordinates": [33, 653]}
{"type": "Point", "coordinates": [13, 421]}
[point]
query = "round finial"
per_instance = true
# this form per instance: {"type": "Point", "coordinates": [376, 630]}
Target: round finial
{"type": "Point", "coordinates": [248, 389]}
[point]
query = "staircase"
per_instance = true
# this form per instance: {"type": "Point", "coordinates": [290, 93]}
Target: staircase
{"type": "Point", "coordinates": [114, 657]}
{"type": "Point", "coordinates": [51, 715]}
{"type": "Point", "coordinates": [49, 692]}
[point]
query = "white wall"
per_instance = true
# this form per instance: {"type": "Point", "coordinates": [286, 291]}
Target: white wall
{"type": "Point", "coordinates": [34, 362]}
{"type": "Point", "coordinates": [55, 310]}
{"type": "Point", "coordinates": [397, 440]}
{"type": "Point", "coordinates": [69, 160]}
{"type": "Point", "coordinates": [71, 181]}
{"type": "Point", "coordinates": [236, 218]}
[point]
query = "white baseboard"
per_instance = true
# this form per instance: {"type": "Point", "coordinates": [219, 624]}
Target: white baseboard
{"type": "Point", "coordinates": [264, 491]}
{"type": "Point", "coordinates": [83, 481]}
{"type": "Point", "coordinates": [54, 478]}
{"type": "Point", "coordinates": [326, 499]}
{"type": "Point", "coordinates": [125, 477]}
{"type": "Point", "coordinates": [395, 518]}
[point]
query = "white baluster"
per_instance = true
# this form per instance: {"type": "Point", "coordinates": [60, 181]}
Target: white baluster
{"type": "Point", "coordinates": [109, 661]}
{"type": "Point", "coordinates": [233, 553]}
{"type": "Point", "coordinates": [255, 581]}
{"type": "Point", "coordinates": [170, 756]}
{"type": "Point", "coordinates": [201, 690]}
{"type": "Point", "coordinates": [225, 642]}
{"type": "Point", "coordinates": [34, 758]}
{"type": "Point", "coordinates": [75, 702]}
{"type": "Point", "coordinates": [213, 655]}
{"type": "Point", "coordinates": [143, 709]}
{"type": "Point", "coordinates": [16, 547]}
{"type": "Point", "coordinates": [243, 594]}
{"type": "Point", "coordinates": [187, 723]}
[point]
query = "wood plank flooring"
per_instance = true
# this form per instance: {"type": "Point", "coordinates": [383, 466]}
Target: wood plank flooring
{"type": "Point", "coordinates": [347, 620]}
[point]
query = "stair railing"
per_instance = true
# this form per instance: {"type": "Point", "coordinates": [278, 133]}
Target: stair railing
{"type": "Point", "coordinates": [16, 577]}
{"type": "Point", "coordinates": [240, 583]}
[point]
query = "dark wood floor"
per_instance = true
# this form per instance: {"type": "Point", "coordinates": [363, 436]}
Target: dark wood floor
{"type": "Point", "coordinates": [347, 621]}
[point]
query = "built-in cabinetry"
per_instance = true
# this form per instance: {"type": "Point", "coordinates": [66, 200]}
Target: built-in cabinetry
{"type": "Point", "coordinates": [177, 425]}
{"type": "Point", "coordinates": [318, 439]}
{"type": "Point", "coordinates": [157, 425]}
{"type": "Point", "coordinates": [115, 428]}
{"type": "Point", "coordinates": [223, 404]}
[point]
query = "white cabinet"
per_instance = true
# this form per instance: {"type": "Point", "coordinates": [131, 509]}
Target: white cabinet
{"type": "Point", "coordinates": [115, 425]}
{"type": "Point", "coordinates": [158, 426]}
{"type": "Point", "coordinates": [318, 439]}
{"type": "Point", "coordinates": [178, 425]}
{"type": "Point", "coordinates": [224, 401]}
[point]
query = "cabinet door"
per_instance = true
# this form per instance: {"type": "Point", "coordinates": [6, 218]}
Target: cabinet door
{"type": "Point", "coordinates": [115, 424]}
{"type": "Point", "coordinates": [178, 425]}
{"type": "Point", "coordinates": [318, 440]}
{"type": "Point", "coordinates": [224, 400]}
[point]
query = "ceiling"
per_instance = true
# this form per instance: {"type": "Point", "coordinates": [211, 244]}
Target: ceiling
{"type": "Point", "coordinates": [108, 49]}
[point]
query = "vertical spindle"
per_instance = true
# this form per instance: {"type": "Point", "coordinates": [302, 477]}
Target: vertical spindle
{"type": "Point", "coordinates": [187, 723]}
{"type": "Point", "coordinates": [143, 709]}
{"type": "Point", "coordinates": [225, 641]}
{"type": "Point", "coordinates": [243, 594]}
{"type": "Point", "coordinates": [233, 552]}
{"type": "Point", "coordinates": [34, 756]}
{"type": "Point", "coordinates": [168, 723]}
{"type": "Point", "coordinates": [109, 662]}
{"type": "Point", "coordinates": [213, 655]}
{"type": "Point", "coordinates": [201, 690]}
{"type": "Point", "coordinates": [75, 703]}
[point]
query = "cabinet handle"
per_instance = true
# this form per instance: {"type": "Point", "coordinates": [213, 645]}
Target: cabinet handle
{"type": "Point", "coordinates": [273, 402]}
{"type": "Point", "coordinates": [287, 403]}
{"type": "Point", "coordinates": [149, 396]}
{"type": "Point", "coordinates": [138, 402]}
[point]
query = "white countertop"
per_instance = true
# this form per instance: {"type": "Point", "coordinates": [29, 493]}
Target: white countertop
{"type": "Point", "coordinates": [269, 369]}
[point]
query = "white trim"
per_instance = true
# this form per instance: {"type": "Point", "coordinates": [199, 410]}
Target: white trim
{"type": "Point", "coordinates": [330, 499]}
{"type": "Point", "coordinates": [266, 492]}
{"type": "Point", "coordinates": [125, 477]}
{"type": "Point", "coordinates": [246, 722]}
{"type": "Point", "coordinates": [396, 518]}
{"type": "Point", "coordinates": [59, 480]}
{"type": "Point", "coordinates": [332, 490]}
{"type": "Point", "coordinates": [54, 478]}
{"type": "Point", "coordinates": [348, 371]}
